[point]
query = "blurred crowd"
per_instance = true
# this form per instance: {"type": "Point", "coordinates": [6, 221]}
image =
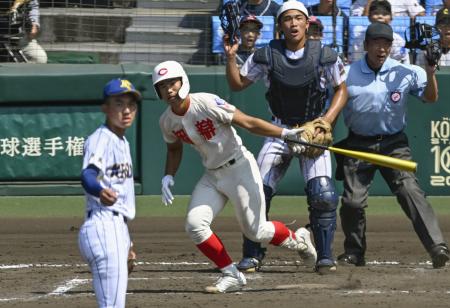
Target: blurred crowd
{"type": "Point", "coordinates": [347, 36]}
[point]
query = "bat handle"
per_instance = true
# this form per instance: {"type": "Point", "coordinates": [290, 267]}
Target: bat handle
{"type": "Point", "coordinates": [319, 146]}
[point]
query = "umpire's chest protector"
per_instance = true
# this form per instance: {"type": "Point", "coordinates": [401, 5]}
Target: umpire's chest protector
{"type": "Point", "coordinates": [295, 95]}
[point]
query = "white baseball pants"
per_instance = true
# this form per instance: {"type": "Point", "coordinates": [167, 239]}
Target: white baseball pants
{"type": "Point", "coordinates": [275, 157]}
{"type": "Point", "coordinates": [240, 183]}
{"type": "Point", "coordinates": [104, 243]}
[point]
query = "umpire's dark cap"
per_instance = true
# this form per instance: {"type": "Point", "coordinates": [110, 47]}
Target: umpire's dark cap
{"type": "Point", "coordinates": [120, 86]}
{"type": "Point", "coordinates": [379, 30]}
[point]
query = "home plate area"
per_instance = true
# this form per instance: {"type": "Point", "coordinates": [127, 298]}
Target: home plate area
{"type": "Point", "coordinates": [44, 269]}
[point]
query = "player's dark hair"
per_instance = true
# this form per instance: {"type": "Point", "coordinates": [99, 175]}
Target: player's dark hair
{"type": "Point", "coordinates": [380, 6]}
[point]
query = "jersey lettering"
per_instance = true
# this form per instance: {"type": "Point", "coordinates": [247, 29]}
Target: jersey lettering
{"type": "Point", "coordinates": [120, 171]}
{"type": "Point", "coordinates": [206, 128]}
{"type": "Point", "coordinates": [181, 134]}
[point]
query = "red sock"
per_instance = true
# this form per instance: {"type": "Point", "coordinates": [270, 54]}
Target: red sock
{"type": "Point", "coordinates": [215, 251]}
{"type": "Point", "coordinates": [281, 233]}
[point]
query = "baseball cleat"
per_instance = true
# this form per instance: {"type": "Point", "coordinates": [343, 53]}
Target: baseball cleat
{"type": "Point", "coordinates": [351, 259]}
{"type": "Point", "coordinates": [228, 282]}
{"type": "Point", "coordinates": [439, 256]}
{"type": "Point", "coordinates": [326, 266]}
{"type": "Point", "coordinates": [249, 265]}
{"type": "Point", "coordinates": [307, 252]}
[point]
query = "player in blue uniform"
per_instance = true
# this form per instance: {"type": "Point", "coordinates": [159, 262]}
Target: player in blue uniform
{"type": "Point", "coordinates": [107, 178]}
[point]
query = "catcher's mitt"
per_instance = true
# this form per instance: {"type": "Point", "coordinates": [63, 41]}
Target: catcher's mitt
{"type": "Point", "coordinates": [131, 259]}
{"type": "Point", "coordinates": [325, 137]}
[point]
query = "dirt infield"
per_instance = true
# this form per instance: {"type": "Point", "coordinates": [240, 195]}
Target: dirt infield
{"type": "Point", "coordinates": [40, 266]}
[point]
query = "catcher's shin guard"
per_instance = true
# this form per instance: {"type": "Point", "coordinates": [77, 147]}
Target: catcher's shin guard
{"type": "Point", "coordinates": [323, 201]}
{"type": "Point", "coordinates": [323, 225]}
{"type": "Point", "coordinates": [252, 249]}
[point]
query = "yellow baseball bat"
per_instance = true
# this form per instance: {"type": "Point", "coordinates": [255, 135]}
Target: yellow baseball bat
{"type": "Point", "coordinates": [376, 159]}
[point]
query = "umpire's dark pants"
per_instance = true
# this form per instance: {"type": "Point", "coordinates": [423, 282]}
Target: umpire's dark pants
{"type": "Point", "coordinates": [358, 176]}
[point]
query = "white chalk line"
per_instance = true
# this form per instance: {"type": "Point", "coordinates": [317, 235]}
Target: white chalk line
{"type": "Point", "coordinates": [393, 292]}
{"type": "Point", "coordinates": [49, 265]}
{"type": "Point", "coordinates": [59, 290]}
{"type": "Point", "coordinates": [266, 264]}
{"type": "Point", "coordinates": [66, 286]}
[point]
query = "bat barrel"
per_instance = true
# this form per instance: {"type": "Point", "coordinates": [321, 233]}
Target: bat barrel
{"type": "Point", "coordinates": [377, 159]}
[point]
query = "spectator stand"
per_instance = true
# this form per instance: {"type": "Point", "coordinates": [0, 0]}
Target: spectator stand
{"type": "Point", "coordinates": [432, 6]}
{"type": "Point", "coordinates": [400, 24]}
{"type": "Point", "coordinates": [328, 32]}
{"type": "Point", "coordinates": [280, 2]}
{"type": "Point", "coordinates": [267, 33]}
{"type": "Point", "coordinates": [344, 5]}
{"type": "Point", "coordinates": [356, 31]}
{"type": "Point", "coordinates": [430, 20]}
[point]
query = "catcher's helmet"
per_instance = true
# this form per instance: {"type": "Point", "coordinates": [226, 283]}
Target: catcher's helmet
{"type": "Point", "coordinates": [168, 70]}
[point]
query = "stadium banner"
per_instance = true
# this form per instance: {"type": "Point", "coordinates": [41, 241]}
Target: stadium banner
{"type": "Point", "coordinates": [46, 142]}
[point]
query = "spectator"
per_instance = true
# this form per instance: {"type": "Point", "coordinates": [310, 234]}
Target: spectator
{"type": "Point", "coordinates": [325, 8]}
{"type": "Point", "coordinates": [29, 45]}
{"type": "Point", "coordinates": [250, 28]}
{"type": "Point", "coordinates": [443, 24]}
{"type": "Point", "coordinates": [315, 30]}
{"type": "Point", "coordinates": [379, 11]}
{"type": "Point", "coordinates": [436, 8]}
{"type": "Point", "coordinates": [258, 7]}
{"type": "Point", "coordinates": [410, 8]}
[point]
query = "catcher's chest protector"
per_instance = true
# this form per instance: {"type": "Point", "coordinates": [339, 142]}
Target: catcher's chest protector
{"type": "Point", "coordinates": [295, 95]}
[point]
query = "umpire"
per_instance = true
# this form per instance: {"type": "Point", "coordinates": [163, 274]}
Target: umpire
{"type": "Point", "coordinates": [375, 114]}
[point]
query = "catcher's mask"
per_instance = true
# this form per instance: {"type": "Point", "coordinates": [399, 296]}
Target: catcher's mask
{"type": "Point", "coordinates": [168, 70]}
{"type": "Point", "coordinates": [425, 37]}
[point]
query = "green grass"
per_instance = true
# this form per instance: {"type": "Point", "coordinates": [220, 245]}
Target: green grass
{"type": "Point", "coordinates": [151, 206]}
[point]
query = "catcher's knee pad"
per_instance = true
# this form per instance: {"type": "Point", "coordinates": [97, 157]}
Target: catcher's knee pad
{"type": "Point", "coordinates": [322, 201]}
{"type": "Point", "coordinates": [321, 194]}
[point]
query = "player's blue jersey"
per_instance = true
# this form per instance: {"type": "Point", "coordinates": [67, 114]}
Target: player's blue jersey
{"type": "Point", "coordinates": [111, 155]}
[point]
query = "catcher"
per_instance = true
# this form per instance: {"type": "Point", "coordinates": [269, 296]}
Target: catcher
{"type": "Point", "coordinates": [296, 72]}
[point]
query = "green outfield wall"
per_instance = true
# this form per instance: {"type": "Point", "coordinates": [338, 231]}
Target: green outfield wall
{"type": "Point", "coordinates": [47, 111]}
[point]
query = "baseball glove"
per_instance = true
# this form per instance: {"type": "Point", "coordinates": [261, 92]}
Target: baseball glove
{"type": "Point", "coordinates": [131, 259]}
{"type": "Point", "coordinates": [324, 137]}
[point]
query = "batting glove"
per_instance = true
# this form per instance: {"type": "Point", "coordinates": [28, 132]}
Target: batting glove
{"type": "Point", "coordinates": [167, 196]}
{"type": "Point", "coordinates": [294, 134]}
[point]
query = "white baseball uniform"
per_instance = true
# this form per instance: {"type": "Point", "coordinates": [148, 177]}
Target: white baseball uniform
{"type": "Point", "coordinates": [104, 239]}
{"type": "Point", "coordinates": [275, 155]}
{"type": "Point", "coordinates": [231, 170]}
